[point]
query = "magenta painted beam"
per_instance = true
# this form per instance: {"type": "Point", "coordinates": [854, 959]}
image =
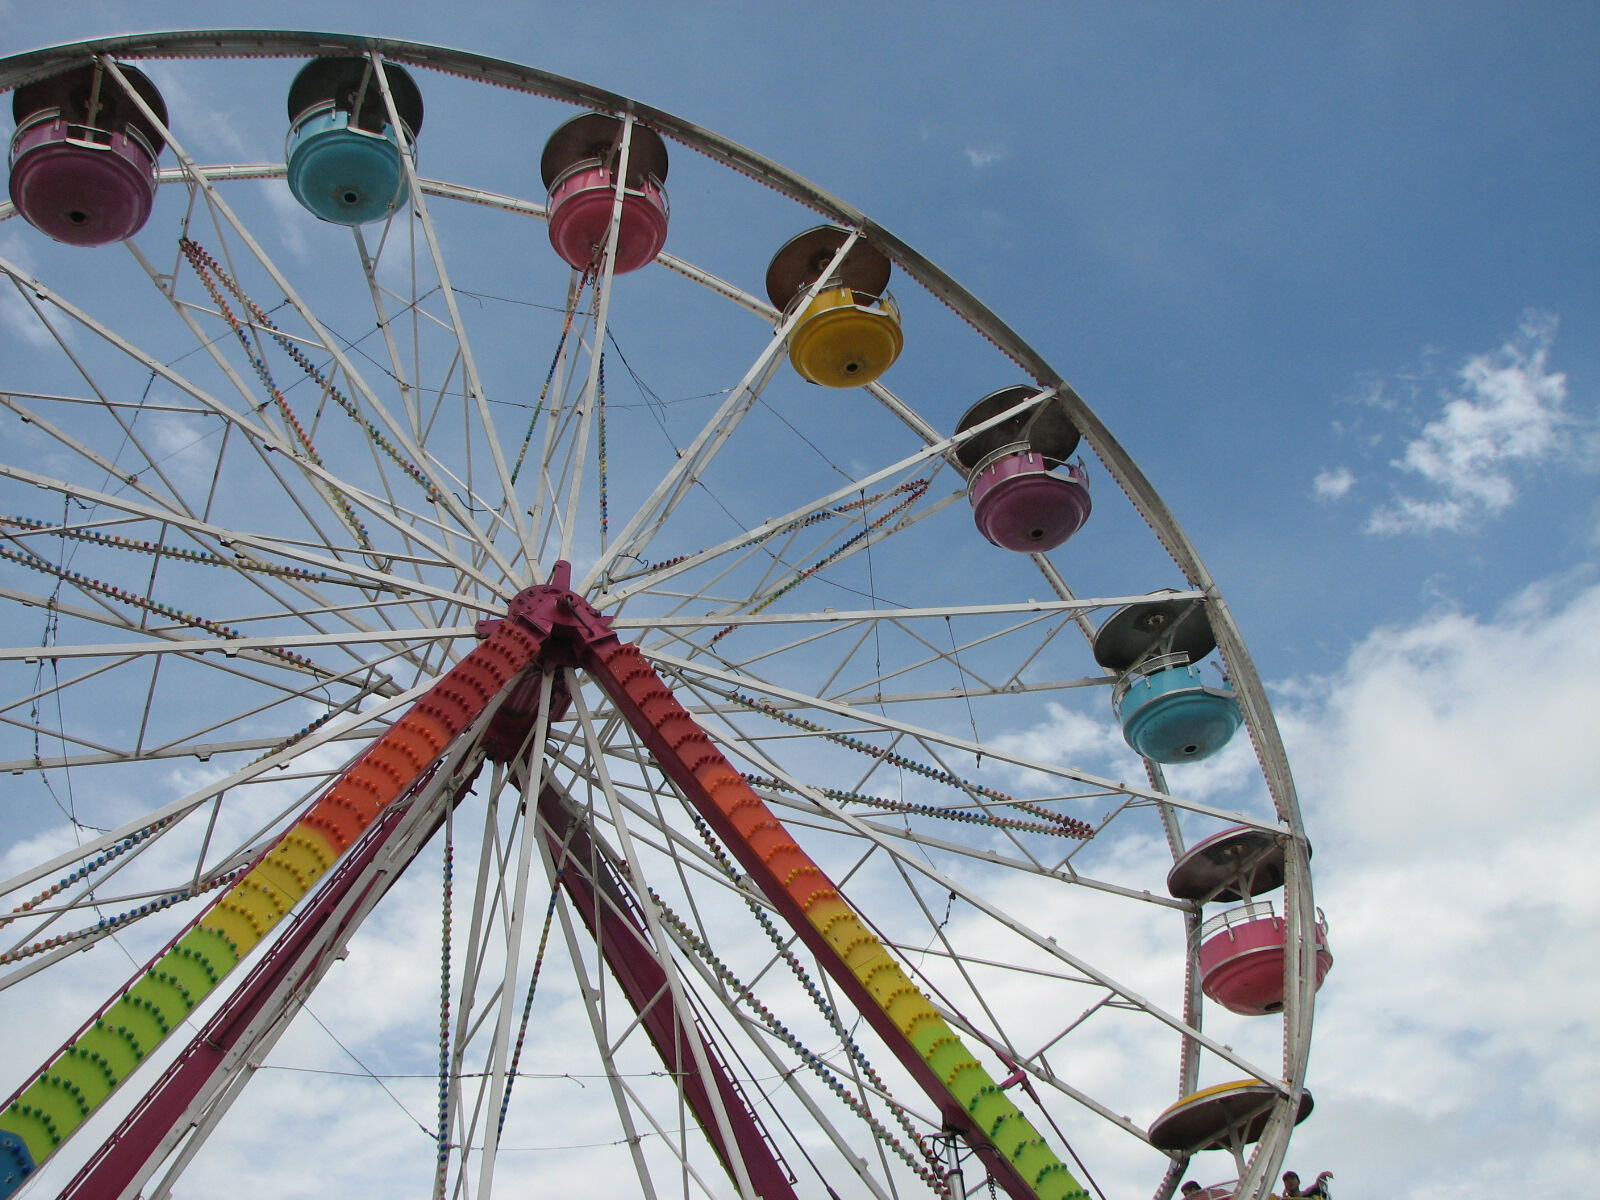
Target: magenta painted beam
{"type": "Point", "coordinates": [611, 912]}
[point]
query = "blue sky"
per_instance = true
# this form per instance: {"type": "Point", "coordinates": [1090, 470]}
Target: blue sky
{"type": "Point", "coordinates": [1330, 275]}
{"type": "Point", "coordinates": [1240, 225]}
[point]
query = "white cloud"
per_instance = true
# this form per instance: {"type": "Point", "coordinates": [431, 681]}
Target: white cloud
{"type": "Point", "coordinates": [183, 447]}
{"type": "Point", "coordinates": [1446, 778]}
{"type": "Point", "coordinates": [291, 218]}
{"type": "Point", "coordinates": [209, 131]}
{"type": "Point", "coordinates": [1409, 515]}
{"type": "Point", "coordinates": [1067, 736]}
{"type": "Point", "coordinates": [1504, 412]}
{"type": "Point", "coordinates": [1444, 769]}
{"type": "Point", "coordinates": [986, 156]}
{"type": "Point", "coordinates": [1333, 484]}
{"type": "Point", "coordinates": [17, 316]}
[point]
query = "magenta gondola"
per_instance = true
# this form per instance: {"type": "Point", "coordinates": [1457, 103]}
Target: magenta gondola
{"type": "Point", "coordinates": [1020, 499]}
{"type": "Point", "coordinates": [83, 158]}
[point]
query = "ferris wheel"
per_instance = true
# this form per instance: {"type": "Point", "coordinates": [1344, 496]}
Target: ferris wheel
{"type": "Point", "coordinates": [679, 698]}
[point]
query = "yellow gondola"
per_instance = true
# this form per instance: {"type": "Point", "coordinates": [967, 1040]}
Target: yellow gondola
{"type": "Point", "coordinates": [849, 333]}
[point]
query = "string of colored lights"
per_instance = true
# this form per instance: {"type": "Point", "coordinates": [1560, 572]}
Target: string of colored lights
{"type": "Point", "coordinates": [823, 1070]}
{"type": "Point", "coordinates": [260, 318]}
{"type": "Point", "coordinates": [916, 488]}
{"type": "Point", "coordinates": [239, 562]}
{"type": "Point", "coordinates": [809, 983]}
{"type": "Point", "coordinates": [157, 607]}
{"type": "Point", "coordinates": [1067, 826]}
{"type": "Point", "coordinates": [204, 265]}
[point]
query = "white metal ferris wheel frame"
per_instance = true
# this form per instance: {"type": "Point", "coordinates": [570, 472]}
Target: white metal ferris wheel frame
{"type": "Point", "coordinates": [1300, 912]}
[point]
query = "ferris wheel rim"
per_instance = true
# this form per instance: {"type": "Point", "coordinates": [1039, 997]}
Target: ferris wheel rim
{"type": "Point", "coordinates": [201, 43]}
{"type": "Point", "coordinates": [192, 44]}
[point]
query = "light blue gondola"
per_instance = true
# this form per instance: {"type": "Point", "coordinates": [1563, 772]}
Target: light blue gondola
{"type": "Point", "coordinates": [1169, 713]}
{"type": "Point", "coordinates": [344, 151]}
{"type": "Point", "coordinates": [1172, 715]}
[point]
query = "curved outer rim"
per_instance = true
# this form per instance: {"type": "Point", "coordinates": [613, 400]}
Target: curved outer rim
{"type": "Point", "coordinates": [23, 68]}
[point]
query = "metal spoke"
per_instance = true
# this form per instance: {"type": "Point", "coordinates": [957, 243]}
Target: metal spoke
{"type": "Point", "coordinates": [804, 805]}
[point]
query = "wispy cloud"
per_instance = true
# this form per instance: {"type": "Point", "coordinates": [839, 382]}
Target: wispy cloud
{"type": "Point", "coordinates": [208, 129]}
{"type": "Point", "coordinates": [1333, 484]}
{"type": "Point", "coordinates": [1502, 413]}
{"type": "Point", "coordinates": [292, 220]}
{"type": "Point", "coordinates": [182, 447]}
{"type": "Point", "coordinates": [17, 316]}
{"type": "Point", "coordinates": [1066, 736]}
{"type": "Point", "coordinates": [986, 156]}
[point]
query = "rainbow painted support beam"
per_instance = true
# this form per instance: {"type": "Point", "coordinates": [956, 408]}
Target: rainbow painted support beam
{"type": "Point", "coordinates": [94, 1063]}
{"type": "Point", "coordinates": [91, 1066]}
{"type": "Point", "coordinates": [969, 1099]}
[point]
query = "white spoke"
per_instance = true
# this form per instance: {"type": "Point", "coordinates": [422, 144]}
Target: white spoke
{"type": "Point", "coordinates": [281, 500]}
